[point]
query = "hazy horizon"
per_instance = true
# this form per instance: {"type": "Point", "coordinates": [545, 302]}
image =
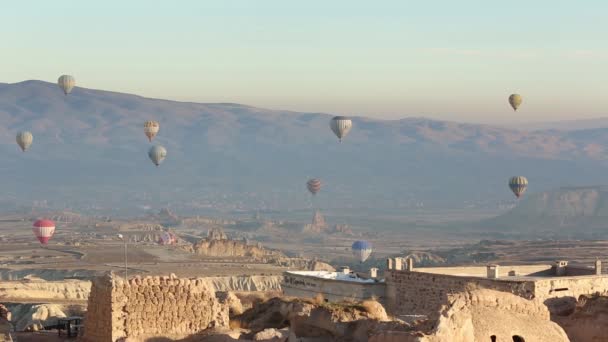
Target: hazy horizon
{"type": "Point", "coordinates": [456, 62]}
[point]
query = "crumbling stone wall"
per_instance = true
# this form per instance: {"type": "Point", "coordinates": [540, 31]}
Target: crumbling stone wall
{"type": "Point", "coordinates": [419, 293]}
{"type": "Point", "coordinates": [333, 290]}
{"type": "Point", "coordinates": [148, 307]}
{"type": "Point", "coordinates": [573, 287]}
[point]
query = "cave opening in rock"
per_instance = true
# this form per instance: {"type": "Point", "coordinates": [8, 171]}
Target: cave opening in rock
{"type": "Point", "coordinates": [493, 338]}
{"type": "Point", "coordinates": [517, 338]}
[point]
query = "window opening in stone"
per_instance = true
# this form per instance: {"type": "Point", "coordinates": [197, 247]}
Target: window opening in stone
{"type": "Point", "coordinates": [493, 338]}
{"type": "Point", "coordinates": [517, 338]}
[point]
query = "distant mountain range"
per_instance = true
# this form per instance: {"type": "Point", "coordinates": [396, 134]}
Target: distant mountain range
{"type": "Point", "coordinates": [568, 212]}
{"type": "Point", "coordinates": [90, 151]}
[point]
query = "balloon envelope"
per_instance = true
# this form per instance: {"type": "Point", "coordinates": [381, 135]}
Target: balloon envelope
{"type": "Point", "coordinates": [362, 250]}
{"type": "Point", "coordinates": [518, 185]}
{"type": "Point", "coordinates": [157, 154]}
{"type": "Point", "coordinates": [167, 238]}
{"type": "Point", "coordinates": [341, 125]}
{"type": "Point", "coordinates": [515, 101]}
{"type": "Point", "coordinates": [151, 129]}
{"type": "Point", "coordinates": [313, 185]}
{"type": "Point", "coordinates": [24, 140]}
{"type": "Point", "coordinates": [66, 83]}
{"type": "Point", "coordinates": [44, 230]}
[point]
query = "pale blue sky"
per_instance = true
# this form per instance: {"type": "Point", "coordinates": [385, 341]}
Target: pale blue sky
{"type": "Point", "coordinates": [454, 60]}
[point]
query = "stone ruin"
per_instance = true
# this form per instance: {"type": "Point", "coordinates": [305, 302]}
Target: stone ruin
{"type": "Point", "coordinates": [141, 308]}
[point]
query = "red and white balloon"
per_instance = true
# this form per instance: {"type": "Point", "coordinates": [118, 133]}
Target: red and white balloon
{"type": "Point", "coordinates": [44, 230]}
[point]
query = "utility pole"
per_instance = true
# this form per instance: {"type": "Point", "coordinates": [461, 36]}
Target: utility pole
{"type": "Point", "coordinates": [125, 241]}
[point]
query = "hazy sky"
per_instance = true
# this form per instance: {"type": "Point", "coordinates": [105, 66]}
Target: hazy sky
{"type": "Point", "coordinates": [455, 60]}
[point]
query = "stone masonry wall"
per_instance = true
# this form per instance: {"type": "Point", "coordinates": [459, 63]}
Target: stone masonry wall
{"type": "Point", "coordinates": [149, 307]}
{"type": "Point", "coordinates": [573, 287]}
{"type": "Point", "coordinates": [333, 290]}
{"type": "Point", "coordinates": [418, 293]}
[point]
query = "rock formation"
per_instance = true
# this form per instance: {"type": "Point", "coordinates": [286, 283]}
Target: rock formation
{"type": "Point", "coordinates": [217, 244]}
{"type": "Point", "coordinates": [306, 319]}
{"type": "Point", "coordinates": [317, 225]}
{"type": "Point", "coordinates": [478, 315]}
{"type": "Point", "coordinates": [5, 325]}
{"type": "Point", "coordinates": [36, 317]}
{"type": "Point", "coordinates": [587, 321]}
{"type": "Point", "coordinates": [216, 234]}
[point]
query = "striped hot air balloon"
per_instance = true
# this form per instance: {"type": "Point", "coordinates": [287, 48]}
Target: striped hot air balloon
{"type": "Point", "coordinates": [518, 185]}
{"type": "Point", "coordinates": [362, 250]}
{"type": "Point", "coordinates": [167, 238]}
{"type": "Point", "coordinates": [151, 129]}
{"type": "Point", "coordinates": [66, 83]}
{"type": "Point", "coordinates": [340, 125]}
{"type": "Point", "coordinates": [313, 185]}
{"type": "Point", "coordinates": [44, 230]}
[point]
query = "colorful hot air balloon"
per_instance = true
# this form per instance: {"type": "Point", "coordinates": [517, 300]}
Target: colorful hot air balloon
{"type": "Point", "coordinates": [313, 185]}
{"type": "Point", "coordinates": [362, 250]}
{"type": "Point", "coordinates": [340, 125]}
{"type": "Point", "coordinates": [44, 230]}
{"type": "Point", "coordinates": [518, 185]}
{"type": "Point", "coordinates": [151, 129]}
{"type": "Point", "coordinates": [66, 83]}
{"type": "Point", "coordinates": [157, 154]}
{"type": "Point", "coordinates": [515, 101]}
{"type": "Point", "coordinates": [24, 140]}
{"type": "Point", "coordinates": [167, 238]}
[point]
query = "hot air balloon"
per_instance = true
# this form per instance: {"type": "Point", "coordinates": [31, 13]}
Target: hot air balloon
{"type": "Point", "coordinates": [24, 140]}
{"type": "Point", "coordinates": [340, 125]}
{"type": "Point", "coordinates": [362, 250]}
{"type": "Point", "coordinates": [151, 129]}
{"type": "Point", "coordinates": [313, 185]}
{"type": "Point", "coordinates": [44, 229]}
{"type": "Point", "coordinates": [157, 154]}
{"type": "Point", "coordinates": [515, 101]}
{"type": "Point", "coordinates": [66, 83]}
{"type": "Point", "coordinates": [518, 185]}
{"type": "Point", "coordinates": [167, 238]}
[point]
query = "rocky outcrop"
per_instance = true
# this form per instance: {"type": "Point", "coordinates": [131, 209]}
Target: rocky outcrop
{"type": "Point", "coordinates": [216, 234]}
{"type": "Point", "coordinates": [479, 314]}
{"type": "Point", "coordinates": [5, 326]}
{"type": "Point", "coordinates": [587, 321]}
{"type": "Point", "coordinates": [317, 225]}
{"type": "Point", "coordinates": [7, 274]}
{"type": "Point", "coordinates": [217, 244]}
{"type": "Point", "coordinates": [73, 290]}
{"type": "Point", "coordinates": [234, 303]}
{"type": "Point", "coordinates": [30, 317]}
{"type": "Point", "coordinates": [331, 322]}
{"type": "Point", "coordinates": [168, 218]}
{"type": "Point", "coordinates": [232, 248]}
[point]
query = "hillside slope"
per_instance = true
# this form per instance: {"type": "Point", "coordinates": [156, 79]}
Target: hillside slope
{"type": "Point", "coordinates": [89, 151]}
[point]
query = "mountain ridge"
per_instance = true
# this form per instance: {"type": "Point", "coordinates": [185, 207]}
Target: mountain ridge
{"type": "Point", "coordinates": [93, 149]}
